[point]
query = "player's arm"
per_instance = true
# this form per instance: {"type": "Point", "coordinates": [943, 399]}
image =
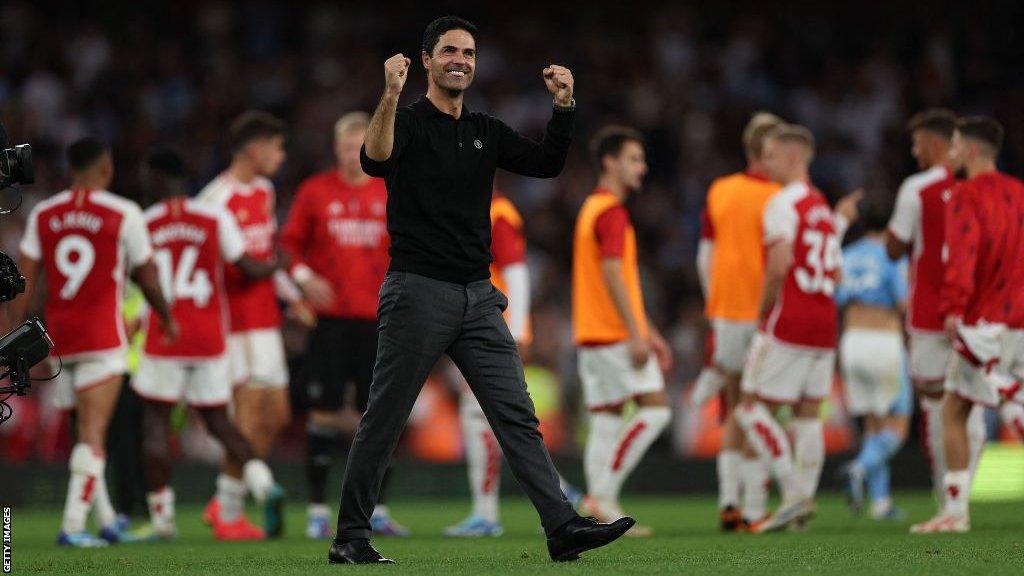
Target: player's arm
{"type": "Point", "coordinates": [904, 221]}
{"type": "Point", "coordinates": [295, 241]}
{"type": "Point", "coordinates": [146, 278]}
{"type": "Point", "coordinates": [659, 346]}
{"type": "Point", "coordinates": [615, 280]}
{"type": "Point", "coordinates": [257, 269]}
{"type": "Point", "coordinates": [963, 233]}
{"type": "Point", "coordinates": [847, 211]}
{"type": "Point", "coordinates": [705, 252]}
{"type": "Point", "coordinates": [379, 145]}
{"type": "Point", "coordinates": [546, 158]}
{"type": "Point", "coordinates": [779, 259]}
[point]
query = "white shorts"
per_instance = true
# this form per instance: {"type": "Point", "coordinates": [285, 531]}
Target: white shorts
{"type": "Point", "coordinates": [85, 372]}
{"type": "Point", "coordinates": [201, 383]}
{"type": "Point", "coordinates": [732, 342]}
{"type": "Point", "coordinates": [872, 367]}
{"type": "Point", "coordinates": [781, 373]}
{"type": "Point", "coordinates": [609, 379]}
{"type": "Point", "coordinates": [929, 356]}
{"type": "Point", "coordinates": [257, 358]}
{"type": "Point", "coordinates": [990, 346]}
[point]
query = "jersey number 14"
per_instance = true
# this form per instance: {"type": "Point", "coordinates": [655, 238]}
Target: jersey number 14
{"type": "Point", "coordinates": [184, 282]}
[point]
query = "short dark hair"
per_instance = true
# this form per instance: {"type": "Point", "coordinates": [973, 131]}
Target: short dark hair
{"type": "Point", "coordinates": [608, 141]}
{"type": "Point", "coordinates": [166, 162]}
{"type": "Point", "coordinates": [982, 128]}
{"type": "Point", "coordinates": [937, 120]}
{"type": "Point", "coordinates": [252, 125]}
{"type": "Point", "coordinates": [438, 27]}
{"type": "Point", "coordinates": [85, 152]}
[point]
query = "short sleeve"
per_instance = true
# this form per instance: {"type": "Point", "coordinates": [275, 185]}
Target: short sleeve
{"type": "Point", "coordinates": [707, 227]}
{"type": "Point", "coordinates": [906, 214]}
{"type": "Point", "coordinates": [780, 220]}
{"type": "Point", "coordinates": [610, 228]}
{"type": "Point", "coordinates": [507, 244]}
{"type": "Point", "coordinates": [30, 243]}
{"type": "Point", "coordinates": [232, 244]}
{"type": "Point", "coordinates": [381, 169]}
{"type": "Point", "coordinates": [135, 238]}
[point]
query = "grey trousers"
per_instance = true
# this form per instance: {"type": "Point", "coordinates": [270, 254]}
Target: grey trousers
{"type": "Point", "coordinates": [419, 320]}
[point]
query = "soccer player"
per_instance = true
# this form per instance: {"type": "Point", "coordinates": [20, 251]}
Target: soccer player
{"type": "Point", "coordinates": [621, 353]}
{"type": "Point", "coordinates": [917, 228]}
{"type": "Point", "coordinates": [980, 302]}
{"type": "Point", "coordinates": [731, 265]}
{"type": "Point", "coordinates": [791, 358]}
{"type": "Point", "coordinates": [192, 243]}
{"type": "Point", "coordinates": [872, 297]}
{"type": "Point", "coordinates": [337, 236]}
{"type": "Point", "coordinates": [79, 246]}
{"type": "Point", "coordinates": [255, 348]}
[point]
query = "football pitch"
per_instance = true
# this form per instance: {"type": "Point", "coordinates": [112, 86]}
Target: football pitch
{"type": "Point", "coordinates": [687, 542]}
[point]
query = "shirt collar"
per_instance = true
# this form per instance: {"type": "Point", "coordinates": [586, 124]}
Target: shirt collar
{"type": "Point", "coordinates": [425, 107]}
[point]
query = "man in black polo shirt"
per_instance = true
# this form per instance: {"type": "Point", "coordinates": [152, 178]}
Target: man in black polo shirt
{"type": "Point", "coordinates": [438, 160]}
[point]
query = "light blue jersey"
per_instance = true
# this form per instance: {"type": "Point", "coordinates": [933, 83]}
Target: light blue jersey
{"type": "Point", "coordinates": [870, 277]}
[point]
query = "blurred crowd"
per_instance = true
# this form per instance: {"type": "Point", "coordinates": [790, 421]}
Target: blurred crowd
{"type": "Point", "coordinates": [141, 75]}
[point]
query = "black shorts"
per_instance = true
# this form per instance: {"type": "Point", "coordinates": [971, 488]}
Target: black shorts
{"type": "Point", "coordinates": [341, 351]}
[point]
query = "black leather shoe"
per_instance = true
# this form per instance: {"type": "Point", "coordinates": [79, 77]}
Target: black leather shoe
{"type": "Point", "coordinates": [358, 551]}
{"type": "Point", "coordinates": [581, 534]}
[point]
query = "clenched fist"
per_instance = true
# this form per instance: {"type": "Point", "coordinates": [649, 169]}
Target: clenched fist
{"type": "Point", "coordinates": [396, 71]}
{"type": "Point", "coordinates": [559, 82]}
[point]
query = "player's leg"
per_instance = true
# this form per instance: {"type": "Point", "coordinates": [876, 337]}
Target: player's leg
{"type": "Point", "coordinates": [603, 394]}
{"type": "Point", "coordinates": [1011, 413]}
{"type": "Point", "coordinates": [325, 436]}
{"type": "Point", "coordinates": [228, 503]}
{"type": "Point", "coordinates": [483, 465]}
{"type": "Point", "coordinates": [890, 437]}
{"type": "Point", "coordinates": [929, 357]}
{"type": "Point", "coordinates": [156, 462]}
{"type": "Point", "coordinates": [95, 401]}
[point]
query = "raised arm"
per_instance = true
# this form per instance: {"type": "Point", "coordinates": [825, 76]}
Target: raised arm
{"type": "Point", "coordinates": [546, 158]}
{"type": "Point", "coordinates": [380, 134]}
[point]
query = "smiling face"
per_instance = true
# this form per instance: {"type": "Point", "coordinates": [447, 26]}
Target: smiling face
{"type": "Point", "coordinates": [453, 61]}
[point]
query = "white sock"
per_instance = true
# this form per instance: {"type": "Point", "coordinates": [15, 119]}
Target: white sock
{"type": "Point", "coordinates": [772, 445]}
{"type": "Point", "coordinates": [102, 509]}
{"type": "Point", "coordinates": [604, 430]}
{"type": "Point", "coordinates": [957, 486]}
{"type": "Point", "coordinates": [258, 479]}
{"type": "Point", "coordinates": [729, 478]}
{"type": "Point", "coordinates": [381, 510]}
{"type": "Point", "coordinates": [809, 453]}
{"type": "Point", "coordinates": [318, 511]}
{"type": "Point", "coordinates": [1012, 415]}
{"type": "Point", "coordinates": [976, 436]}
{"type": "Point", "coordinates": [755, 488]}
{"type": "Point", "coordinates": [231, 497]}
{"type": "Point", "coordinates": [931, 411]}
{"type": "Point", "coordinates": [483, 459]}
{"type": "Point", "coordinates": [643, 429]}
{"type": "Point", "coordinates": [86, 468]}
{"type": "Point", "coordinates": [708, 383]}
{"type": "Point", "coordinates": [161, 510]}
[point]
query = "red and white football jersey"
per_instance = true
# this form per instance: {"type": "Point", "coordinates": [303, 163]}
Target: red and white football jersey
{"type": "Point", "coordinates": [252, 303]}
{"type": "Point", "coordinates": [192, 243]}
{"type": "Point", "coordinates": [805, 312]}
{"type": "Point", "coordinates": [919, 218]}
{"type": "Point", "coordinates": [87, 241]}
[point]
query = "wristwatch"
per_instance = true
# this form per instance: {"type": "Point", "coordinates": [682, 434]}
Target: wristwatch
{"type": "Point", "coordinates": [569, 108]}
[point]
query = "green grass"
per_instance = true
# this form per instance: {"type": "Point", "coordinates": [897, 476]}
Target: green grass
{"type": "Point", "coordinates": [686, 543]}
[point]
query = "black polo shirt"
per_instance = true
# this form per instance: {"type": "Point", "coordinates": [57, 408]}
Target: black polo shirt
{"type": "Point", "coordinates": [440, 177]}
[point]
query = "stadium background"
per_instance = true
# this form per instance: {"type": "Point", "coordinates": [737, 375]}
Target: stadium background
{"type": "Point", "coordinates": [689, 77]}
